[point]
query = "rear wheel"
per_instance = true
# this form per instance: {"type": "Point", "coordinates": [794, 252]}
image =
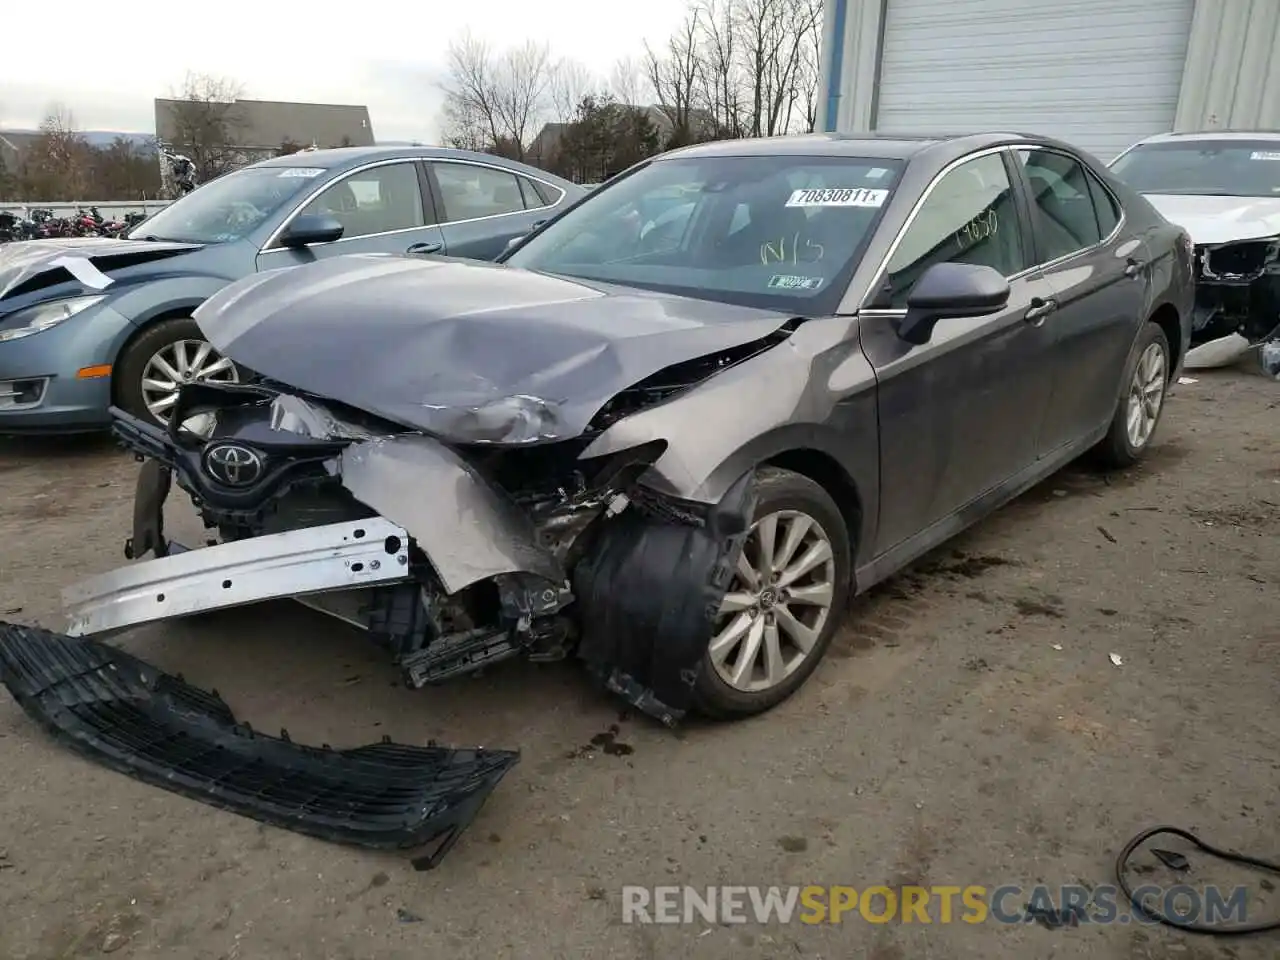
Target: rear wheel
{"type": "Point", "coordinates": [784, 602]}
{"type": "Point", "coordinates": [165, 356]}
{"type": "Point", "coordinates": [1145, 383]}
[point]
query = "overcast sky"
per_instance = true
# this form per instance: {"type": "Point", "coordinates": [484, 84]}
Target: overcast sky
{"type": "Point", "coordinates": [106, 61]}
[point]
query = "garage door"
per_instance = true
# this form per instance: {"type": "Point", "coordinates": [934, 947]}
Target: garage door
{"type": "Point", "coordinates": [1097, 73]}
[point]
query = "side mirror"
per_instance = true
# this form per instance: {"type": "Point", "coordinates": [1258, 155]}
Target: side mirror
{"type": "Point", "coordinates": [515, 241]}
{"type": "Point", "coordinates": [311, 228]}
{"type": "Point", "coordinates": [951, 290]}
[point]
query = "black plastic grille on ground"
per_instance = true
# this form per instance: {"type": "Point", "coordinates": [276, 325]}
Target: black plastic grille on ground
{"type": "Point", "coordinates": [126, 714]}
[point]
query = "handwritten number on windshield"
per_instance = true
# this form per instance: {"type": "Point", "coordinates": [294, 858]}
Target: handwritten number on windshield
{"type": "Point", "coordinates": [802, 251]}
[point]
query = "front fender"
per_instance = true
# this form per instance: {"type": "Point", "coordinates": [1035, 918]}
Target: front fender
{"type": "Point", "coordinates": [815, 391]}
{"type": "Point", "coordinates": [157, 298]}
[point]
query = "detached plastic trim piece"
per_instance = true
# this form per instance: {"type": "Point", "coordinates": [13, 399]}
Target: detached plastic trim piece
{"type": "Point", "coordinates": [125, 714]}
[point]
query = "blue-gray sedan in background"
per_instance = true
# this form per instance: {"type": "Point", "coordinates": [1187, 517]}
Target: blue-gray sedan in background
{"type": "Point", "coordinates": [90, 322]}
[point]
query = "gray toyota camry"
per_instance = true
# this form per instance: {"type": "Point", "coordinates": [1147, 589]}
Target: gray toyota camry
{"type": "Point", "coordinates": [670, 433]}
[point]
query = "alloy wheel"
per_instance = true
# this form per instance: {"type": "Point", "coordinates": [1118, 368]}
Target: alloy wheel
{"type": "Point", "coordinates": [777, 604]}
{"type": "Point", "coordinates": [183, 361]}
{"type": "Point", "coordinates": [1146, 395]}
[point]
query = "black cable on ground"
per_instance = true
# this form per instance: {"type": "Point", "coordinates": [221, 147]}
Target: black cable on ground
{"type": "Point", "coordinates": [1191, 926]}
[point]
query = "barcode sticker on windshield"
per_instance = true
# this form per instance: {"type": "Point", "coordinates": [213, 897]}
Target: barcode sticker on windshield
{"type": "Point", "coordinates": [1265, 155]}
{"type": "Point", "coordinates": [839, 197]}
{"type": "Point", "coordinates": [307, 172]}
{"type": "Point", "coordinates": [787, 282]}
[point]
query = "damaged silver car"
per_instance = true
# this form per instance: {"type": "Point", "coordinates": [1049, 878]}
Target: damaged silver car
{"type": "Point", "coordinates": [1224, 188]}
{"type": "Point", "coordinates": [670, 447]}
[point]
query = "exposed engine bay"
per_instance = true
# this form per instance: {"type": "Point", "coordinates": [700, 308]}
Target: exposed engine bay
{"type": "Point", "coordinates": [492, 550]}
{"type": "Point", "coordinates": [1237, 291]}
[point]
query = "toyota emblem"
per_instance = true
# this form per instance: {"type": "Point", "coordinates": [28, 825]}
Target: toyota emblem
{"type": "Point", "coordinates": [232, 464]}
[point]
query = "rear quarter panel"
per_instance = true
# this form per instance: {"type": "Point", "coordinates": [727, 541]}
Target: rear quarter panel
{"type": "Point", "coordinates": [1171, 257]}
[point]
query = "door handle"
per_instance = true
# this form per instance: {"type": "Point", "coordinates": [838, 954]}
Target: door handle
{"type": "Point", "coordinates": [422, 248]}
{"type": "Point", "coordinates": [1040, 308]}
{"type": "Point", "coordinates": [1132, 266]}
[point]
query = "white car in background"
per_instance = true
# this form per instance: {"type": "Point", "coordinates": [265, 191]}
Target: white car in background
{"type": "Point", "coordinates": [1224, 189]}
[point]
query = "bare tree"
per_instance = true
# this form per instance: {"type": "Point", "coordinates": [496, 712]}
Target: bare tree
{"type": "Point", "coordinates": [741, 68]}
{"type": "Point", "coordinates": [501, 98]}
{"type": "Point", "coordinates": [525, 75]}
{"type": "Point", "coordinates": [629, 83]}
{"type": "Point", "coordinates": [471, 95]}
{"type": "Point", "coordinates": [719, 88]}
{"type": "Point", "coordinates": [57, 164]}
{"type": "Point", "coordinates": [206, 125]}
{"type": "Point", "coordinates": [570, 83]}
{"type": "Point", "coordinates": [464, 127]}
{"type": "Point", "coordinates": [809, 69]}
{"type": "Point", "coordinates": [778, 33]}
{"type": "Point", "coordinates": [675, 74]}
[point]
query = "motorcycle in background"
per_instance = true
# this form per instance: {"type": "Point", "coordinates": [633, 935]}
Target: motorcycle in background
{"type": "Point", "coordinates": [183, 171]}
{"type": "Point", "coordinates": [16, 226]}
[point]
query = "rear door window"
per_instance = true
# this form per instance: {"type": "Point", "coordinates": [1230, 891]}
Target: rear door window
{"type": "Point", "coordinates": [1066, 221]}
{"type": "Point", "coordinates": [470, 191]}
{"type": "Point", "coordinates": [1104, 206]}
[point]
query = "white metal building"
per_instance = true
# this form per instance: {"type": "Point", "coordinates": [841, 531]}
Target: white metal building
{"type": "Point", "coordinates": [1097, 73]}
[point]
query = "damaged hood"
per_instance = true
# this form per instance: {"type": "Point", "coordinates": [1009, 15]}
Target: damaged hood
{"type": "Point", "coordinates": [1220, 219]}
{"type": "Point", "coordinates": [469, 351]}
{"type": "Point", "coordinates": [88, 260]}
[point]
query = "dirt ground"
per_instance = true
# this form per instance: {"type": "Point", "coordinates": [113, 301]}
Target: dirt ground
{"type": "Point", "coordinates": [969, 727]}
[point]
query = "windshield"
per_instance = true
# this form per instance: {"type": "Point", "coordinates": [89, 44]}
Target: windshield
{"type": "Point", "coordinates": [777, 232]}
{"type": "Point", "coordinates": [1206, 168]}
{"type": "Point", "coordinates": [228, 208]}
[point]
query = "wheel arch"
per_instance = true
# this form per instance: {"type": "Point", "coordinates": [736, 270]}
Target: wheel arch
{"type": "Point", "coordinates": [141, 327]}
{"type": "Point", "coordinates": [842, 460]}
{"type": "Point", "coordinates": [1167, 318]}
{"type": "Point", "coordinates": [827, 472]}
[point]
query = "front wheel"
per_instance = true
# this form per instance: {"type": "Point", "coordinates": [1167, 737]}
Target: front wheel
{"type": "Point", "coordinates": [164, 357]}
{"type": "Point", "coordinates": [1145, 382]}
{"type": "Point", "coordinates": [784, 602]}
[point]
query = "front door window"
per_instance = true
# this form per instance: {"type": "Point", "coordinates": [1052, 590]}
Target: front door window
{"type": "Point", "coordinates": [377, 200]}
{"type": "Point", "coordinates": [969, 217]}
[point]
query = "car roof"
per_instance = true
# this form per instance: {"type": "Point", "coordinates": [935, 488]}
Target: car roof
{"type": "Point", "coordinates": [1205, 135]}
{"type": "Point", "coordinates": [339, 158]}
{"type": "Point", "coordinates": [878, 146]}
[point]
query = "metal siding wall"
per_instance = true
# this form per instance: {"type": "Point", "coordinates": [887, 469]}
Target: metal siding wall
{"type": "Point", "coordinates": [1232, 74]}
{"type": "Point", "coordinates": [859, 53]}
{"type": "Point", "coordinates": [1231, 77]}
{"type": "Point", "coordinates": [1098, 73]}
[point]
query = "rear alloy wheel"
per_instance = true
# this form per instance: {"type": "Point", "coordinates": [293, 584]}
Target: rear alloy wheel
{"type": "Point", "coordinates": [161, 360]}
{"type": "Point", "coordinates": [1146, 379]}
{"type": "Point", "coordinates": [783, 603]}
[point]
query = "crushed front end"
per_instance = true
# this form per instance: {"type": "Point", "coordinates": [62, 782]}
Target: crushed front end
{"type": "Point", "coordinates": [451, 556]}
{"type": "Point", "coordinates": [1237, 291]}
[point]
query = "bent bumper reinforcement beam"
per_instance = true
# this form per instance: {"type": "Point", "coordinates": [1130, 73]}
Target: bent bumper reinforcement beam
{"type": "Point", "coordinates": [338, 556]}
{"type": "Point", "coordinates": [125, 714]}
